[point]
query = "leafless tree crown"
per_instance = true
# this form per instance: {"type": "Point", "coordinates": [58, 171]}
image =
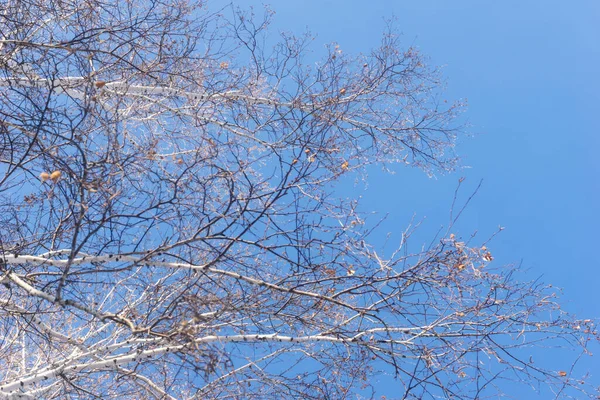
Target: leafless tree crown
{"type": "Point", "coordinates": [169, 228]}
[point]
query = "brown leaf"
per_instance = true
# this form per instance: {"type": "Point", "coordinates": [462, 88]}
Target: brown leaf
{"type": "Point", "coordinates": [562, 373]}
{"type": "Point", "coordinates": [329, 272]}
{"type": "Point", "coordinates": [100, 84]}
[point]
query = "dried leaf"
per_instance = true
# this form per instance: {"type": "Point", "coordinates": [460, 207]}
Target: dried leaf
{"type": "Point", "coordinates": [562, 373]}
{"type": "Point", "coordinates": [55, 176]}
{"type": "Point", "coordinates": [44, 176]}
{"type": "Point", "coordinates": [488, 256]}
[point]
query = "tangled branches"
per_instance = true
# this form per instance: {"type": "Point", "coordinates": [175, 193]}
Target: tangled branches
{"type": "Point", "coordinates": [170, 228]}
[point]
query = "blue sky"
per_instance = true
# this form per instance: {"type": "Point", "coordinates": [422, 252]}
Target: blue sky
{"type": "Point", "coordinates": [529, 70]}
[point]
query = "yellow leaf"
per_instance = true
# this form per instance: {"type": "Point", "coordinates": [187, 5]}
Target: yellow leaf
{"type": "Point", "coordinates": [224, 65]}
{"type": "Point", "coordinates": [345, 165]}
{"type": "Point", "coordinates": [343, 91]}
{"type": "Point", "coordinates": [562, 373]}
{"type": "Point", "coordinates": [55, 176]}
{"type": "Point", "coordinates": [44, 176]}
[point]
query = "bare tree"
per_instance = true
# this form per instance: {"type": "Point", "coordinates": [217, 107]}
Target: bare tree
{"type": "Point", "coordinates": [169, 225]}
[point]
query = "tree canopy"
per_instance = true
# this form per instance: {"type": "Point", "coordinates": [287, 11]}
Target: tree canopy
{"type": "Point", "coordinates": [171, 229]}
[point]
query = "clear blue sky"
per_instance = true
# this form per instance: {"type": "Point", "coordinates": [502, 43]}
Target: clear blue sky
{"type": "Point", "coordinates": [531, 73]}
